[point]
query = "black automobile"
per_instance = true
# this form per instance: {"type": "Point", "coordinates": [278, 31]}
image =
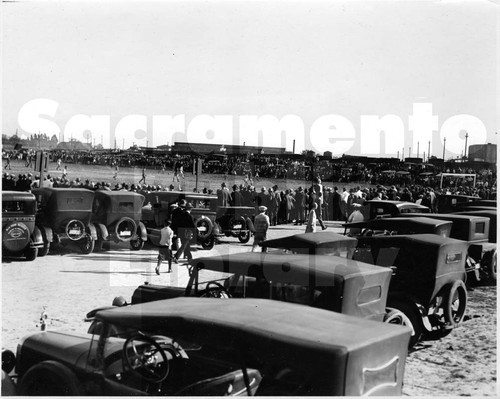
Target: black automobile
{"type": "Point", "coordinates": [63, 217]}
{"type": "Point", "coordinates": [20, 235]}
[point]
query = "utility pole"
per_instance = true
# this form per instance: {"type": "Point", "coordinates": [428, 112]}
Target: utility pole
{"type": "Point", "coordinates": [418, 148]}
{"type": "Point", "coordinates": [429, 151]}
{"type": "Point", "coordinates": [444, 147]}
{"type": "Point", "coordinates": [466, 137]}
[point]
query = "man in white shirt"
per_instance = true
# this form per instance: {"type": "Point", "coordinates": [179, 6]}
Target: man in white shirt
{"type": "Point", "coordinates": [165, 253]}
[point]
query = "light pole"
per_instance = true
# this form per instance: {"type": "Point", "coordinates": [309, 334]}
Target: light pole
{"type": "Point", "coordinates": [429, 151]}
{"type": "Point", "coordinates": [444, 147]}
{"type": "Point", "coordinates": [418, 148]}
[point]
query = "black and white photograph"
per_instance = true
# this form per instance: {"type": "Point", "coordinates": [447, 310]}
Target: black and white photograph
{"type": "Point", "coordinates": [249, 198]}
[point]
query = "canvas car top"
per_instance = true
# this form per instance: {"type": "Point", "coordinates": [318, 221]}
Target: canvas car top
{"type": "Point", "coordinates": [432, 240]}
{"type": "Point", "coordinates": [404, 222]}
{"type": "Point", "coordinates": [310, 241]}
{"type": "Point", "coordinates": [258, 321]}
{"type": "Point", "coordinates": [61, 197]}
{"type": "Point", "coordinates": [157, 197]}
{"type": "Point", "coordinates": [276, 267]}
{"type": "Point", "coordinates": [17, 196]}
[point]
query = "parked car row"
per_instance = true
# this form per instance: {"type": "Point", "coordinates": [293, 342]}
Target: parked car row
{"type": "Point", "coordinates": [34, 222]}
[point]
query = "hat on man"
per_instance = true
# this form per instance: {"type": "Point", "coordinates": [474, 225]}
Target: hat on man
{"type": "Point", "coordinates": [262, 208]}
{"type": "Point", "coordinates": [189, 206]}
{"type": "Point", "coordinates": [182, 203]}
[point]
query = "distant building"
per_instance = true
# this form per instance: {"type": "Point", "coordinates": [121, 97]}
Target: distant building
{"type": "Point", "coordinates": [483, 153]}
{"type": "Point", "coordinates": [206, 149]}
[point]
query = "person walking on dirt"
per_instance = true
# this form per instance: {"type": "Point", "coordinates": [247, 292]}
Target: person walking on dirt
{"type": "Point", "coordinates": [261, 225]}
{"type": "Point", "coordinates": [117, 169]}
{"type": "Point", "coordinates": [186, 232]}
{"type": "Point", "coordinates": [143, 179]}
{"type": "Point", "coordinates": [165, 251]}
{"type": "Point", "coordinates": [7, 164]}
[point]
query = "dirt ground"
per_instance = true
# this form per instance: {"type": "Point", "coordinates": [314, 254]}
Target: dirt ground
{"type": "Point", "coordinates": [70, 284]}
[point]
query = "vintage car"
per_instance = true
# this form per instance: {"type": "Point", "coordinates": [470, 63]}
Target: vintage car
{"type": "Point", "coordinates": [400, 226]}
{"type": "Point", "coordinates": [487, 213]}
{"type": "Point", "coordinates": [329, 282]}
{"type": "Point", "coordinates": [116, 216]}
{"type": "Point", "coordinates": [207, 347]}
{"type": "Point", "coordinates": [475, 230]}
{"type": "Point", "coordinates": [428, 282]}
{"type": "Point", "coordinates": [236, 221]}
{"type": "Point", "coordinates": [20, 236]}
{"type": "Point", "coordinates": [210, 220]}
{"type": "Point", "coordinates": [477, 203]}
{"type": "Point", "coordinates": [63, 217]}
{"type": "Point", "coordinates": [158, 208]}
{"type": "Point", "coordinates": [447, 203]}
{"type": "Point", "coordinates": [384, 208]}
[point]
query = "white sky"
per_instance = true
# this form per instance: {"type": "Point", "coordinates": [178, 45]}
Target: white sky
{"type": "Point", "coordinates": [304, 58]}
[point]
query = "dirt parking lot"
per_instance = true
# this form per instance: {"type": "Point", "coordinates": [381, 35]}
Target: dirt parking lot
{"type": "Point", "coordinates": [68, 285]}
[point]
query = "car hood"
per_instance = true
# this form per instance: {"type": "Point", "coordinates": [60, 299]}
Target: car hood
{"type": "Point", "coordinates": [68, 348]}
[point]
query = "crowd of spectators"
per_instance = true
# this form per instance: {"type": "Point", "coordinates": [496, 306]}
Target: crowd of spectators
{"type": "Point", "coordinates": [284, 204]}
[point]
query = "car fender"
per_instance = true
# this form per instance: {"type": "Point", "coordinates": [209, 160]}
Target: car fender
{"type": "Point", "coordinates": [92, 231]}
{"type": "Point", "coordinates": [143, 232]}
{"type": "Point", "coordinates": [103, 231]}
{"type": "Point", "coordinates": [47, 233]}
{"type": "Point", "coordinates": [8, 387]}
{"type": "Point", "coordinates": [36, 238]}
{"type": "Point", "coordinates": [409, 299]}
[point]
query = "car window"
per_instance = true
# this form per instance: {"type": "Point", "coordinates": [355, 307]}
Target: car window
{"type": "Point", "coordinates": [13, 206]}
{"type": "Point", "coordinates": [125, 207]}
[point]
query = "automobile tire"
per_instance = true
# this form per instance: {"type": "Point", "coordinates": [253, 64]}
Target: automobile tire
{"type": "Point", "coordinates": [473, 274]}
{"type": "Point", "coordinates": [131, 225]}
{"type": "Point", "coordinates": [490, 264]}
{"type": "Point", "coordinates": [75, 224]}
{"type": "Point", "coordinates": [455, 303]}
{"type": "Point", "coordinates": [45, 249]}
{"type": "Point", "coordinates": [208, 244]}
{"type": "Point", "coordinates": [206, 225]}
{"type": "Point", "coordinates": [244, 236]}
{"type": "Point", "coordinates": [98, 243]}
{"type": "Point", "coordinates": [412, 319]}
{"type": "Point", "coordinates": [87, 245]}
{"type": "Point", "coordinates": [136, 244]}
{"type": "Point", "coordinates": [15, 237]}
{"type": "Point", "coordinates": [30, 253]}
{"type": "Point", "coordinates": [49, 378]}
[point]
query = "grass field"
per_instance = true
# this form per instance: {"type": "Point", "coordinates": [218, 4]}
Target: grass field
{"type": "Point", "coordinates": [98, 173]}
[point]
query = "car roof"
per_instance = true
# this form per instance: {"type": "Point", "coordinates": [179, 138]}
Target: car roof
{"type": "Point", "coordinates": [428, 239]}
{"type": "Point", "coordinates": [449, 216]}
{"type": "Point", "coordinates": [478, 212]}
{"type": "Point", "coordinates": [17, 196]}
{"type": "Point", "coordinates": [253, 321]}
{"type": "Point", "coordinates": [118, 194]}
{"type": "Point", "coordinates": [400, 221]}
{"type": "Point", "coordinates": [311, 240]}
{"type": "Point", "coordinates": [399, 204]}
{"type": "Point", "coordinates": [278, 267]}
